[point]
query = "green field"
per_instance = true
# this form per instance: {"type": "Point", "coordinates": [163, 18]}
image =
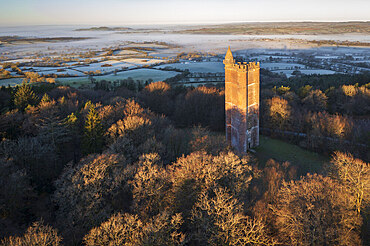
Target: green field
{"type": "Point", "coordinates": [307, 161]}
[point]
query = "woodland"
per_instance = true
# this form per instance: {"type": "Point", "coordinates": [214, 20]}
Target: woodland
{"type": "Point", "coordinates": [148, 165]}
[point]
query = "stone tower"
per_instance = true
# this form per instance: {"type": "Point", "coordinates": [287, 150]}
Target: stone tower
{"type": "Point", "coordinates": [242, 96]}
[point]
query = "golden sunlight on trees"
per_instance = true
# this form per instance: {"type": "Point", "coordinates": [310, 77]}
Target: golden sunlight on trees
{"type": "Point", "coordinates": [138, 132]}
{"type": "Point", "coordinates": [279, 112]}
{"type": "Point", "coordinates": [202, 172]}
{"type": "Point", "coordinates": [50, 80]}
{"type": "Point", "coordinates": [158, 87]}
{"type": "Point", "coordinates": [36, 235]}
{"type": "Point", "coordinates": [127, 229]}
{"type": "Point", "coordinates": [33, 77]}
{"type": "Point", "coordinates": [24, 96]}
{"type": "Point", "coordinates": [282, 89]}
{"type": "Point", "coordinates": [4, 73]}
{"type": "Point", "coordinates": [315, 210]}
{"type": "Point", "coordinates": [177, 187]}
{"type": "Point", "coordinates": [219, 220]}
{"type": "Point", "coordinates": [324, 124]}
{"type": "Point", "coordinates": [355, 175]}
{"type": "Point", "coordinates": [338, 126]}
{"type": "Point", "coordinates": [349, 90]}
{"type": "Point", "coordinates": [136, 128]}
{"type": "Point", "coordinates": [110, 114]}
{"type": "Point", "coordinates": [133, 108]}
{"type": "Point", "coordinates": [304, 90]}
{"type": "Point", "coordinates": [150, 187]}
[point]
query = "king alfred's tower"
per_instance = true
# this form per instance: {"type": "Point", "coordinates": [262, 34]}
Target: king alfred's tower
{"type": "Point", "coordinates": [242, 96]}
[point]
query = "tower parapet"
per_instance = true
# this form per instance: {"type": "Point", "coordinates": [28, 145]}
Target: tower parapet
{"type": "Point", "coordinates": [242, 89]}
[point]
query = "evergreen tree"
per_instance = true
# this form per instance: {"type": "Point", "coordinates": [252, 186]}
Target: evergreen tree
{"type": "Point", "coordinates": [72, 124]}
{"type": "Point", "coordinates": [93, 132]}
{"type": "Point", "coordinates": [45, 98]}
{"type": "Point", "coordinates": [24, 96]}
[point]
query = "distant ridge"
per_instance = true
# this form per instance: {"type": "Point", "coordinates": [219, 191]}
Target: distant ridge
{"type": "Point", "coordinates": [282, 28]}
{"type": "Point", "coordinates": [104, 28]}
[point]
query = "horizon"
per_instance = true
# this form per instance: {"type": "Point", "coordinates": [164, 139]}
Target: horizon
{"type": "Point", "coordinates": [178, 24]}
{"type": "Point", "coordinates": [177, 12]}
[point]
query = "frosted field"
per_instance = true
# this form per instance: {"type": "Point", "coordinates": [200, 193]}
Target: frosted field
{"type": "Point", "coordinates": [197, 67]}
{"type": "Point", "coordinates": [39, 69]}
{"type": "Point", "coordinates": [11, 82]}
{"type": "Point", "coordinates": [142, 61]}
{"type": "Point", "coordinates": [198, 84]}
{"type": "Point", "coordinates": [125, 52]}
{"type": "Point", "coordinates": [327, 57]}
{"type": "Point", "coordinates": [364, 61]}
{"type": "Point", "coordinates": [52, 70]}
{"type": "Point", "coordinates": [150, 45]}
{"type": "Point", "coordinates": [218, 67]}
{"type": "Point", "coordinates": [161, 55]}
{"type": "Point", "coordinates": [22, 60]}
{"type": "Point", "coordinates": [67, 71]}
{"type": "Point", "coordinates": [317, 71]}
{"type": "Point", "coordinates": [98, 66]}
{"type": "Point", "coordinates": [240, 45]}
{"type": "Point", "coordinates": [281, 66]}
{"type": "Point", "coordinates": [137, 74]}
{"type": "Point", "coordinates": [267, 57]}
{"type": "Point", "coordinates": [288, 73]}
{"type": "Point", "coordinates": [80, 69]}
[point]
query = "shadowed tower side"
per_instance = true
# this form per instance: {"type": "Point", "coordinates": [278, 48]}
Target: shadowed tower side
{"type": "Point", "coordinates": [242, 92]}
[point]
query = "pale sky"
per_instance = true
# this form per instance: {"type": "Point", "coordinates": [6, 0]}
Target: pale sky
{"type": "Point", "coordinates": [126, 12]}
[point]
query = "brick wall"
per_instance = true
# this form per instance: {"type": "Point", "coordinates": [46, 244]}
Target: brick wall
{"type": "Point", "coordinates": [242, 84]}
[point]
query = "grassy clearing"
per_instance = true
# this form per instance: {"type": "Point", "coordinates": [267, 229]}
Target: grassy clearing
{"type": "Point", "coordinates": [307, 161]}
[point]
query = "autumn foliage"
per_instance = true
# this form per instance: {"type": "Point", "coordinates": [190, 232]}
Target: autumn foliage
{"type": "Point", "coordinates": [151, 167]}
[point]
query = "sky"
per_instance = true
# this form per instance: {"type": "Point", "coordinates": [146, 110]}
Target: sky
{"type": "Point", "coordinates": [126, 12]}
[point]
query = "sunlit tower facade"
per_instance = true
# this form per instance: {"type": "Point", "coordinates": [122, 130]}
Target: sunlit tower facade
{"type": "Point", "coordinates": [242, 103]}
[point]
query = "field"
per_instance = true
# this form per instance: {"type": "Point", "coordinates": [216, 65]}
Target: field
{"type": "Point", "coordinates": [197, 67]}
{"type": "Point", "coordinates": [218, 67]}
{"type": "Point", "coordinates": [281, 65]}
{"type": "Point", "coordinates": [140, 61]}
{"type": "Point", "coordinates": [288, 73]}
{"type": "Point", "coordinates": [137, 74]}
{"type": "Point", "coordinates": [282, 151]}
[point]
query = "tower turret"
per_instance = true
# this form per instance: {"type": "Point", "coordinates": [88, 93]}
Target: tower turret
{"type": "Point", "coordinates": [229, 58]}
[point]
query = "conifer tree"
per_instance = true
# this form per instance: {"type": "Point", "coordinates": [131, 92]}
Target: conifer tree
{"type": "Point", "coordinates": [45, 98]}
{"type": "Point", "coordinates": [71, 122]}
{"type": "Point", "coordinates": [24, 96]}
{"type": "Point", "coordinates": [93, 132]}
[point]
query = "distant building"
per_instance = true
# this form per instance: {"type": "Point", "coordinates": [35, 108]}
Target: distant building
{"type": "Point", "coordinates": [242, 96]}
